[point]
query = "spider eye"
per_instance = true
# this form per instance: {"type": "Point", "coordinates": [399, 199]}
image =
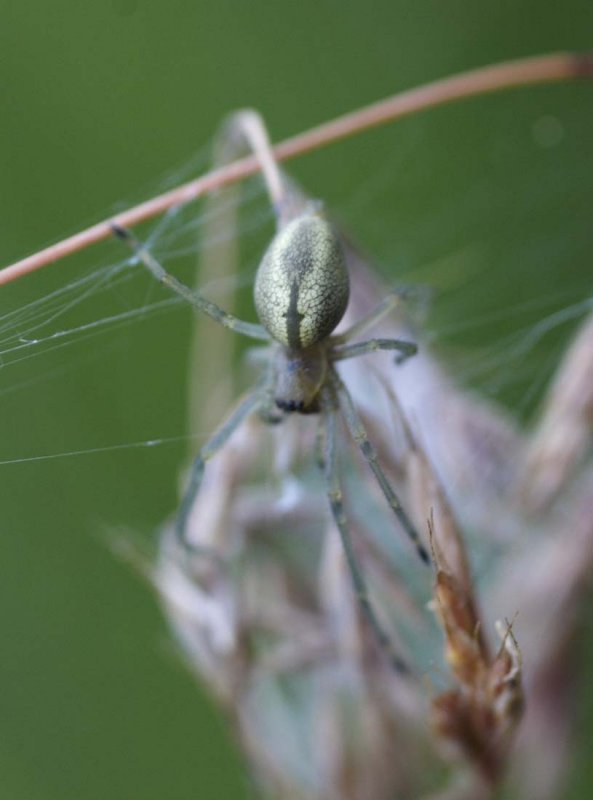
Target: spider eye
{"type": "Point", "coordinates": [302, 286]}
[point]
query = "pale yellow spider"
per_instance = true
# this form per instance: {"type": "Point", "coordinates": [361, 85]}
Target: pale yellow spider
{"type": "Point", "coordinates": [301, 293]}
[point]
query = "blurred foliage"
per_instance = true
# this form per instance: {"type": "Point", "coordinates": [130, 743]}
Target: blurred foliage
{"type": "Point", "coordinates": [487, 203]}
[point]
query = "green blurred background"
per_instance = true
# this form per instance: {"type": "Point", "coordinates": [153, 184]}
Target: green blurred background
{"type": "Point", "coordinates": [489, 203]}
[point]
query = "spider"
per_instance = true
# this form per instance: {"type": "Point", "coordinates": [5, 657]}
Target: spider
{"type": "Point", "coordinates": [301, 292]}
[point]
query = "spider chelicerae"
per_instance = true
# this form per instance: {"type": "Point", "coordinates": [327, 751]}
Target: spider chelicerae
{"type": "Point", "coordinates": [301, 293]}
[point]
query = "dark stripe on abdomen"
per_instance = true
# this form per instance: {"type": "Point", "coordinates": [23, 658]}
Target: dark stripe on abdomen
{"type": "Point", "coordinates": [293, 318]}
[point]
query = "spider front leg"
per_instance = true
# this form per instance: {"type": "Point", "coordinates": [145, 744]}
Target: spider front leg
{"type": "Point", "coordinates": [195, 298]}
{"type": "Point", "coordinates": [372, 318]}
{"type": "Point", "coordinates": [359, 434]}
{"type": "Point", "coordinates": [326, 455]}
{"type": "Point", "coordinates": [406, 349]}
{"type": "Point", "coordinates": [246, 406]}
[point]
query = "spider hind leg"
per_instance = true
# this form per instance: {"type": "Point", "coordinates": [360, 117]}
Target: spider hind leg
{"type": "Point", "coordinates": [326, 457]}
{"type": "Point", "coordinates": [359, 434]}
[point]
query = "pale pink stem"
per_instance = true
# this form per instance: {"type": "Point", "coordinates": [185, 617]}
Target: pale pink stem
{"type": "Point", "coordinates": [540, 69]}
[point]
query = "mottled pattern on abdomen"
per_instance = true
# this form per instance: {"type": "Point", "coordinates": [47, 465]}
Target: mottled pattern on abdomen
{"type": "Point", "coordinates": [301, 286]}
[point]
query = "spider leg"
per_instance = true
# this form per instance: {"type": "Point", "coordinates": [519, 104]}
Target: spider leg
{"type": "Point", "coordinates": [376, 315]}
{"type": "Point", "coordinates": [406, 349]}
{"type": "Point", "coordinates": [359, 434]}
{"type": "Point", "coordinates": [248, 404]}
{"type": "Point", "coordinates": [326, 455]}
{"type": "Point", "coordinates": [193, 297]}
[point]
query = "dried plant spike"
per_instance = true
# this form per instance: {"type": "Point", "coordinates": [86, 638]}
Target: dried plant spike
{"type": "Point", "coordinates": [507, 75]}
{"type": "Point", "coordinates": [254, 624]}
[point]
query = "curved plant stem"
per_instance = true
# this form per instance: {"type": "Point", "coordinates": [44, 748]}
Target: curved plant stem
{"type": "Point", "coordinates": [507, 75]}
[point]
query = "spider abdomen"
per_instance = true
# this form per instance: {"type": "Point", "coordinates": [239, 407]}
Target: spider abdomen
{"type": "Point", "coordinates": [301, 286]}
